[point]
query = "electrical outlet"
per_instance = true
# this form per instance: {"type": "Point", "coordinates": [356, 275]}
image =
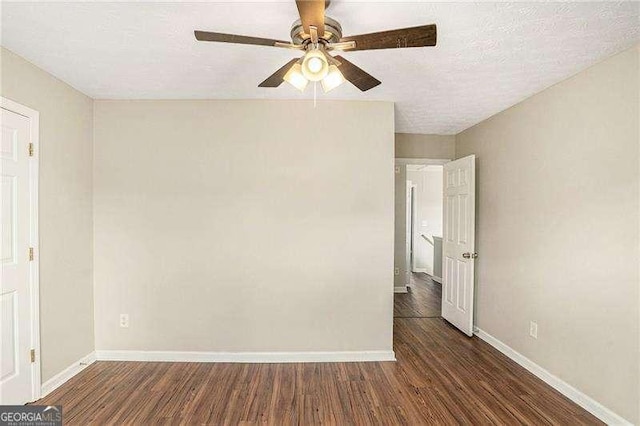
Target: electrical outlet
{"type": "Point", "coordinates": [396, 271]}
{"type": "Point", "coordinates": [124, 320]}
{"type": "Point", "coordinates": [533, 329]}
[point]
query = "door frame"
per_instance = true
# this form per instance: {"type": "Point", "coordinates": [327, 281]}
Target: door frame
{"type": "Point", "coordinates": [409, 229]}
{"type": "Point", "coordinates": [421, 161]}
{"type": "Point", "coordinates": [34, 239]}
{"type": "Point", "coordinates": [414, 217]}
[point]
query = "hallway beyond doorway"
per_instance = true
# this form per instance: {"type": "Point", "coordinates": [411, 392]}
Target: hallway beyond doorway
{"type": "Point", "coordinates": [422, 300]}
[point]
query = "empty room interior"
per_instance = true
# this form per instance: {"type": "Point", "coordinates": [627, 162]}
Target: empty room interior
{"type": "Point", "coordinates": [320, 212]}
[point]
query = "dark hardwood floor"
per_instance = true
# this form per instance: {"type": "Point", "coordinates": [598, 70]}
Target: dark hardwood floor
{"type": "Point", "coordinates": [422, 299]}
{"type": "Point", "coordinates": [440, 377]}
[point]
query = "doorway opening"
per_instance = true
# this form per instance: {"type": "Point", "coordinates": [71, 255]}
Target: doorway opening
{"type": "Point", "coordinates": [419, 210]}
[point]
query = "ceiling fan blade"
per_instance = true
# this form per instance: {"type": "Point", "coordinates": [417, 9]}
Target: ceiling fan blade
{"type": "Point", "coordinates": [357, 76]}
{"type": "Point", "coordinates": [347, 45]}
{"type": "Point", "coordinates": [276, 79]}
{"type": "Point", "coordinates": [422, 36]}
{"type": "Point", "coordinates": [311, 14]}
{"type": "Point", "coordinates": [238, 39]}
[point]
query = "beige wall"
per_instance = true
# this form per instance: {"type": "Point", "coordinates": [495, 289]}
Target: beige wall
{"type": "Point", "coordinates": [66, 242]}
{"type": "Point", "coordinates": [425, 146]}
{"type": "Point", "coordinates": [237, 226]}
{"type": "Point", "coordinates": [557, 231]}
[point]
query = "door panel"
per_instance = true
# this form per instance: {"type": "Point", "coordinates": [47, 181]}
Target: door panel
{"type": "Point", "coordinates": [462, 223]}
{"type": "Point", "coordinates": [449, 275]}
{"type": "Point", "coordinates": [9, 361]}
{"type": "Point", "coordinates": [16, 379]}
{"type": "Point", "coordinates": [458, 241]}
{"type": "Point", "coordinates": [8, 248]}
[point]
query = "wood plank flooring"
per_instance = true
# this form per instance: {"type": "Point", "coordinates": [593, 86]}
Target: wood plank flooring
{"type": "Point", "coordinates": [421, 301]}
{"type": "Point", "coordinates": [440, 377]}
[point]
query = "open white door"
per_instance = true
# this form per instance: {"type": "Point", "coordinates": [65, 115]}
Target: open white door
{"type": "Point", "coordinates": [19, 373]}
{"type": "Point", "coordinates": [458, 246]}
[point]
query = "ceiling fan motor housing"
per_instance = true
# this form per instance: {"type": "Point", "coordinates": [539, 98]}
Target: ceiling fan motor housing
{"type": "Point", "coordinates": [332, 32]}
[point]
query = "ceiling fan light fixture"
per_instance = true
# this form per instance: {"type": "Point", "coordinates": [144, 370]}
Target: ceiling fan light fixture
{"type": "Point", "coordinates": [317, 35]}
{"type": "Point", "coordinates": [314, 65]}
{"type": "Point", "coordinates": [296, 78]}
{"type": "Point", "coordinates": [333, 79]}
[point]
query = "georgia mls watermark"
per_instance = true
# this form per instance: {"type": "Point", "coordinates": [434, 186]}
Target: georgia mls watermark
{"type": "Point", "coordinates": [30, 415]}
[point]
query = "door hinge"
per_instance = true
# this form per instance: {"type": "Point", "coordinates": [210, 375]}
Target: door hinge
{"type": "Point", "coordinates": [30, 150]}
{"type": "Point", "coordinates": [30, 253]}
{"type": "Point", "coordinates": [32, 353]}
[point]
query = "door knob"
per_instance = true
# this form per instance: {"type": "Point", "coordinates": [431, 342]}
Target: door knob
{"type": "Point", "coordinates": [468, 255]}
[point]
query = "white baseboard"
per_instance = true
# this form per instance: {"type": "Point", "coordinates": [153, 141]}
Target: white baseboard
{"type": "Point", "coordinates": [437, 279]}
{"type": "Point", "coordinates": [62, 377]}
{"type": "Point", "coordinates": [586, 402]}
{"type": "Point", "coordinates": [420, 270]}
{"type": "Point", "coordinates": [401, 289]}
{"type": "Point", "coordinates": [245, 357]}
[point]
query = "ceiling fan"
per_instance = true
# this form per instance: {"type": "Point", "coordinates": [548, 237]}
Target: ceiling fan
{"type": "Point", "coordinates": [317, 35]}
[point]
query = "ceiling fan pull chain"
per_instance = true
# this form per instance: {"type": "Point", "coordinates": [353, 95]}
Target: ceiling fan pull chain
{"type": "Point", "coordinates": [315, 85]}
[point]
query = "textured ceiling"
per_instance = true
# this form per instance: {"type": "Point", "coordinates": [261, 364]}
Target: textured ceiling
{"type": "Point", "coordinates": [489, 55]}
